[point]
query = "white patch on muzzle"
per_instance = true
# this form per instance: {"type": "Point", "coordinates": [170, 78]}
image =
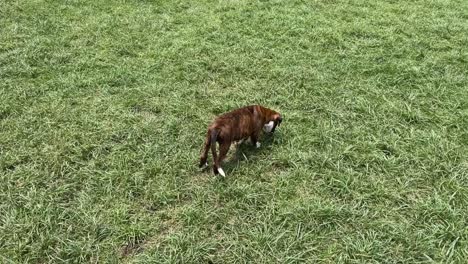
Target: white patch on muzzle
{"type": "Point", "coordinates": [268, 127]}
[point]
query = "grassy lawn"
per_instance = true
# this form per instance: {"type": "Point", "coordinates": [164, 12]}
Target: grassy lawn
{"type": "Point", "coordinates": [104, 106]}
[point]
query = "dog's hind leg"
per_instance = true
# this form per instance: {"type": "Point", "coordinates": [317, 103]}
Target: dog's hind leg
{"type": "Point", "coordinates": [223, 150]}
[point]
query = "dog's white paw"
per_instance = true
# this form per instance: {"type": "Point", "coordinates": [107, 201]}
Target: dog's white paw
{"type": "Point", "coordinates": [204, 166]}
{"type": "Point", "coordinates": [221, 172]}
{"type": "Point", "coordinates": [258, 144]}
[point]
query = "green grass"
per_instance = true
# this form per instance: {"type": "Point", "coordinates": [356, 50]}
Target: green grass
{"type": "Point", "coordinates": [104, 107]}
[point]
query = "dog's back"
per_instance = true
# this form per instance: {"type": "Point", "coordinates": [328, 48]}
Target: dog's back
{"type": "Point", "coordinates": [235, 125]}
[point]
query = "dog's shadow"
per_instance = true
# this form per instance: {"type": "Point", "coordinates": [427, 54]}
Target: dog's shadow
{"type": "Point", "coordinates": [246, 152]}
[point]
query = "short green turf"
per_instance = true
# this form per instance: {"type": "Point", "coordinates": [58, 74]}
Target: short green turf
{"type": "Point", "coordinates": [104, 106]}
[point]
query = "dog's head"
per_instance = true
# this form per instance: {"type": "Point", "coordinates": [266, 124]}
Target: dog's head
{"type": "Point", "coordinates": [274, 121]}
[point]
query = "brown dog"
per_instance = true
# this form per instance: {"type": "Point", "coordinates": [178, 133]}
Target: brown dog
{"type": "Point", "coordinates": [234, 126]}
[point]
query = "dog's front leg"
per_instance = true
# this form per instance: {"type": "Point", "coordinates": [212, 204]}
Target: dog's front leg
{"type": "Point", "coordinates": [254, 139]}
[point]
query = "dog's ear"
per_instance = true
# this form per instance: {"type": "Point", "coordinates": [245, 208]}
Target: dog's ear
{"type": "Point", "coordinates": [279, 119]}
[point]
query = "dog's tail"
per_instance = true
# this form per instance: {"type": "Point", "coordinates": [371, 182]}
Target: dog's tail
{"type": "Point", "coordinates": [210, 140]}
{"type": "Point", "coordinates": [214, 137]}
{"type": "Point", "coordinates": [206, 148]}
